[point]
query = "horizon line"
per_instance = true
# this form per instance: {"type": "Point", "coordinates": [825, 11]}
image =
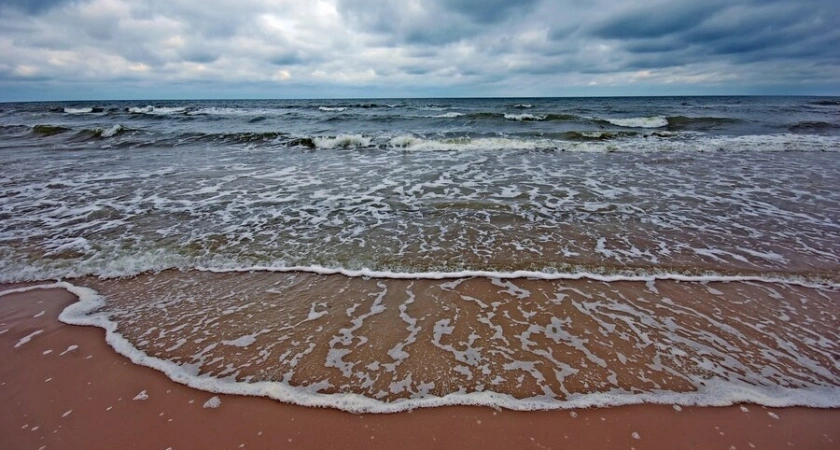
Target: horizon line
{"type": "Point", "coordinates": [414, 98]}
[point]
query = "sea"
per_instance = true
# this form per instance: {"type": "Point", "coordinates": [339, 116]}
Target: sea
{"type": "Point", "coordinates": [381, 255]}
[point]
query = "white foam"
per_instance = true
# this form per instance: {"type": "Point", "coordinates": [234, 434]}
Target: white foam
{"type": "Point", "coordinates": [242, 341]}
{"type": "Point", "coordinates": [524, 117]}
{"type": "Point", "coordinates": [78, 110]}
{"type": "Point", "coordinates": [111, 131]}
{"type": "Point", "coordinates": [640, 122]}
{"type": "Point", "coordinates": [548, 275]}
{"type": "Point", "coordinates": [471, 144]}
{"type": "Point", "coordinates": [713, 392]}
{"type": "Point", "coordinates": [213, 402]}
{"type": "Point", "coordinates": [342, 141]}
{"type": "Point", "coordinates": [69, 349]}
{"type": "Point", "coordinates": [26, 339]}
{"type": "Point", "coordinates": [314, 314]}
{"type": "Point", "coordinates": [331, 109]}
{"type": "Point", "coordinates": [246, 112]}
{"type": "Point", "coordinates": [449, 115]}
{"type": "Point", "coordinates": [160, 111]}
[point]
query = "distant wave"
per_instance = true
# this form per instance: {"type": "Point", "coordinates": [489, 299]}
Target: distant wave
{"type": "Point", "coordinates": [524, 117]}
{"type": "Point", "coordinates": [813, 127]}
{"type": "Point", "coordinates": [343, 141]}
{"type": "Point", "coordinates": [88, 110]}
{"type": "Point", "coordinates": [449, 115]}
{"type": "Point", "coordinates": [235, 112]}
{"type": "Point", "coordinates": [699, 123]}
{"type": "Point", "coordinates": [640, 122]}
{"type": "Point", "coordinates": [158, 110]}
{"type": "Point", "coordinates": [597, 135]}
{"type": "Point", "coordinates": [833, 102]}
{"type": "Point", "coordinates": [345, 106]}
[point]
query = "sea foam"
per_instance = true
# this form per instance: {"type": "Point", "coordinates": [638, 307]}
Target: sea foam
{"type": "Point", "coordinates": [713, 392]}
{"type": "Point", "coordinates": [640, 122]}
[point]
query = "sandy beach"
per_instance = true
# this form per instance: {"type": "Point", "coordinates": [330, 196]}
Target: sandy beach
{"type": "Point", "coordinates": [63, 387]}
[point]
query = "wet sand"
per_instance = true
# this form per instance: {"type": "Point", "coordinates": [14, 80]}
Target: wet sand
{"type": "Point", "coordinates": [65, 387]}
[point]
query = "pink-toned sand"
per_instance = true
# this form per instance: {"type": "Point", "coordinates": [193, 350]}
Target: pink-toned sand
{"type": "Point", "coordinates": [65, 388]}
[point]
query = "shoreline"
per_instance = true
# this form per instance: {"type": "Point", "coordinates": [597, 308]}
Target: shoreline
{"type": "Point", "coordinates": [65, 387]}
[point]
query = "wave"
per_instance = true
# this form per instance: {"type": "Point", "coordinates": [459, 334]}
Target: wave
{"type": "Point", "coordinates": [88, 110]}
{"type": "Point", "coordinates": [228, 138]}
{"type": "Point", "coordinates": [85, 134]}
{"type": "Point", "coordinates": [49, 130]}
{"type": "Point", "coordinates": [345, 107]}
{"type": "Point", "coordinates": [449, 115]}
{"type": "Point", "coordinates": [524, 117]}
{"type": "Point", "coordinates": [238, 112]}
{"type": "Point", "coordinates": [14, 129]}
{"type": "Point", "coordinates": [639, 122]}
{"type": "Point", "coordinates": [597, 135]}
{"type": "Point", "coordinates": [813, 127]}
{"type": "Point", "coordinates": [409, 142]}
{"type": "Point", "coordinates": [342, 141]}
{"type": "Point", "coordinates": [580, 141]}
{"type": "Point", "coordinates": [523, 106]}
{"type": "Point", "coordinates": [157, 110]}
{"type": "Point", "coordinates": [832, 102]}
{"type": "Point", "coordinates": [699, 123]}
{"type": "Point", "coordinates": [108, 132]}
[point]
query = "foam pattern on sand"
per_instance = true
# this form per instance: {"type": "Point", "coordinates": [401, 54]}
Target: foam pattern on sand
{"type": "Point", "coordinates": [391, 345]}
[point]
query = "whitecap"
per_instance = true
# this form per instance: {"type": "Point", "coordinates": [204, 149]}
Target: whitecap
{"type": "Point", "coordinates": [111, 131]}
{"type": "Point", "coordinates": [449, 115]}
{"type": "Point", "coordinates": [524, 117]}
{"type": "Point", "coordinates": [640, 122]}
{"type": "Point", "coordinates": [78, 110]}
{"type": "Point", "coordinates": [342, 141]}
{"type": "Point", "coordinates": [160, 111]}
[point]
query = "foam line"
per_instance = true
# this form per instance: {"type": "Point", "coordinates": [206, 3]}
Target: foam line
{"type": "Point", "coordinates": [368, 273]}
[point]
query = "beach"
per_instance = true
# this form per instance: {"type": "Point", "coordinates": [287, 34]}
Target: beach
{"type": "Point", "coordinates": [66, 388]}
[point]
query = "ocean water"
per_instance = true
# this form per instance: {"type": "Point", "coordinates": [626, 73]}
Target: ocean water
{"type": "Point", "coordinates": [382, 255]}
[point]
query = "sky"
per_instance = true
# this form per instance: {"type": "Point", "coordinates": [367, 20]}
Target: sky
{"type": "Point", "coordinates": [187, 49]}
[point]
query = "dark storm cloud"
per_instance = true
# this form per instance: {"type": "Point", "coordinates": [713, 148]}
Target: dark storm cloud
{"type": "Point", "coordinates": [752, 31]}
{"type": "Point", "coordinates": [488, 11]}
{"type": "Point", "coordinates": [654, 20]}
{"type": "Point", "coordinates": [31, 6]}
{"type": "Point", "coordinates": [433, 22]}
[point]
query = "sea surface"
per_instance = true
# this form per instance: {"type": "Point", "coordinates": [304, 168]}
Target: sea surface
{"type": "Point", "coordinates": [387, 254]}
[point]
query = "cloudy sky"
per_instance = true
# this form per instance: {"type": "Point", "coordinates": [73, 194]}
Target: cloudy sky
{"type": "Point", "coordinates": [158, 49]}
